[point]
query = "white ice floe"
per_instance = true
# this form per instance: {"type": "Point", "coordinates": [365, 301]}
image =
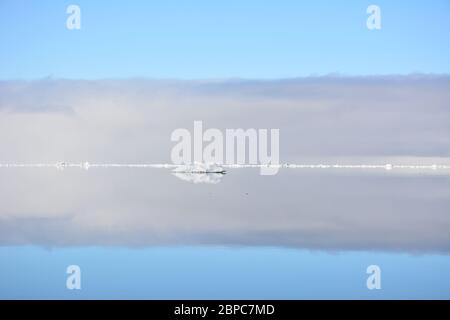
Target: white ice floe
{"type": "Point", "coordinates": [200, 167]}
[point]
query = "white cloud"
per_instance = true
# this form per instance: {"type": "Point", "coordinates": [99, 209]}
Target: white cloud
{"type": "Point", "coordinates": [131, 121]}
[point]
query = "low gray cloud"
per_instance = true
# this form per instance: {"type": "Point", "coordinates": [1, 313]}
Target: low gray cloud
{"type": "Point", "coordinates": [325, 119]}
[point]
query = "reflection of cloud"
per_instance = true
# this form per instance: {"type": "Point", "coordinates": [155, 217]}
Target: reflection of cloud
{"type": "Point", "coordinates": [319, 118]}
{"type": "Point", "coordinates": [211, 178]}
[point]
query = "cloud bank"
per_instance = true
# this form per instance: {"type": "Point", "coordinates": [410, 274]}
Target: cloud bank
{"type": "Point", "coordinates": [320, 120]}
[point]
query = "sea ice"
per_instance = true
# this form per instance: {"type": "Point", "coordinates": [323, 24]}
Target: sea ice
{"type": "Point", "coordinates": [199, 167]}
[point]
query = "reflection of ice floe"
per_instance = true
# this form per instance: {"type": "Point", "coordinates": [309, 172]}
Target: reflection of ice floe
{"type": "Point", "coordinates": [199, 167]}
{"type": "Point", "coordinates": [200, 172]}
{"type": "Point", "coordinates": [212, 178]}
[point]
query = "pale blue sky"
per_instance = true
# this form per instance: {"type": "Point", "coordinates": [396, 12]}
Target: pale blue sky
{"type": "Point", "coordinates": [208, 39]}
{"type": "Point", "coordinates": [218, 273]}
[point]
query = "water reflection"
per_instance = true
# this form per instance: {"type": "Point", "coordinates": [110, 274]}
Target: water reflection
{"type": "Point", "coordinates": [131, 121]}
{"type": "Point", "coordinates": [210, 178]}
{"type": "Point", "coordinates": [141, 207]}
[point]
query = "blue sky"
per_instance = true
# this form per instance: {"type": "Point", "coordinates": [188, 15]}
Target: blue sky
{"type": "Point", "coordinates": [217, 272]}
{"type": "Point", "coordinates": [205, 39]}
